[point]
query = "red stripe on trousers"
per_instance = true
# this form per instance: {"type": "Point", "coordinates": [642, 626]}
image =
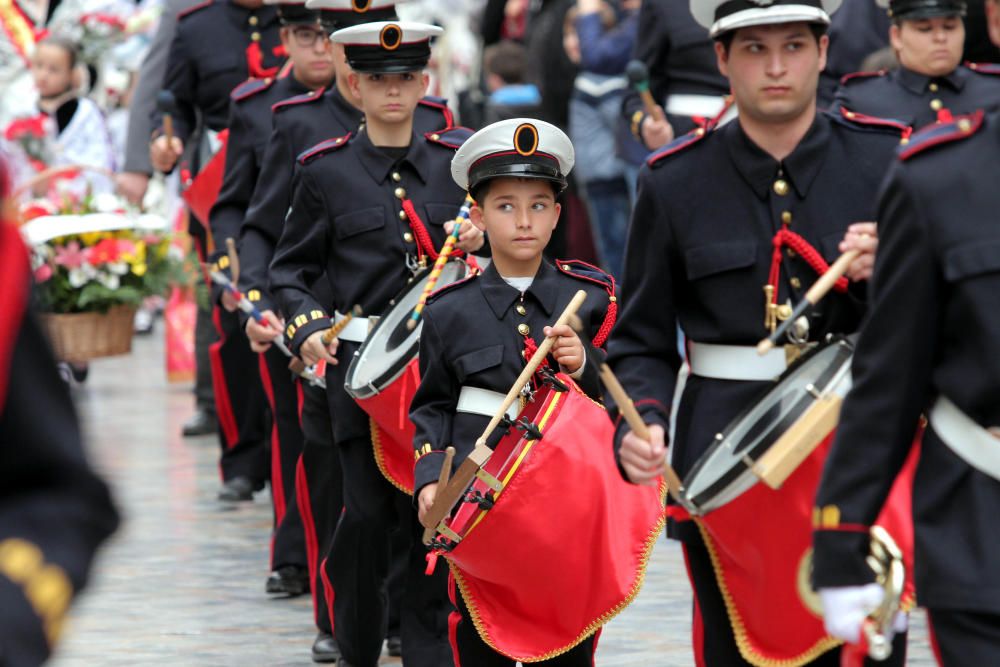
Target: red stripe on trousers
{"type": "Point", "coordinates": [277, 481]}
{"type": "Point", "coordinates": [454, 618]}
{"type": "Point", "coordinates": [300, 395]}
{"type": "Point", "coordinates": [934, 642]}
{"type": "Point", "coordinates": [312, 544]}
{"type": "Point", "coordinates": [330, 594]}
{"type": "Point", "coordinates": [697, 629]}
{"type": "Point", "coordinates": [223, 404]}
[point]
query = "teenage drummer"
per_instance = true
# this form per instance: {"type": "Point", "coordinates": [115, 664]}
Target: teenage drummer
{"type": "Point", "coordinates": [477, 333]}
{"type": "Point", "coordinates": [931, 84]}
{"type": "Point", "coordinates": [368, 209]}
{"type": "Point", "coordinates": [731, 226]}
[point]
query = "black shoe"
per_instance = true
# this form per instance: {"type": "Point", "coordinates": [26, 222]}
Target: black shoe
{"type": "Point", "coordinates": [202, 422]}
{"type": "Point", "coordinates": [290, 580]}
{"type": "Point", "coordinates": [238, 489]}
{"type": "Point", "coordinates": [394, 645]}
{"type": "Point", "coordinates": [325, 648]}
{"type": "Point", "coordinates": [343, 663]}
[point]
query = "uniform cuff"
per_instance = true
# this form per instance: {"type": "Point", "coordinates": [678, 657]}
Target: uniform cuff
{"type": "Point", "coordinates": [839, 558]}
{"type": "Point", "coordinates": [304, 325]}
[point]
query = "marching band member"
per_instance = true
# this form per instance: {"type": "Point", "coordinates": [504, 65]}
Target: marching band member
{"type": "Point", "coordinates": [218, 45]}
{"type": "Point", "coordinates": [304, 37]}
{"type": "Point", "coordinates": [366, 207]}
{"type": "Point", "coordinates": [930, 84]}
{"type": "Point", "coordinates": [298, 124]}
{"type": "Point", "coordinates": [515, 170]}
{"type": "Point", "coordinates": [929, 346]}
{"type": "Point", "coordinates": [722, 213]}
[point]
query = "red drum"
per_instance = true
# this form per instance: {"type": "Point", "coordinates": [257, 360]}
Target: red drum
{"type": "Point", "coordinates": [759, 538]}
{"type": "Point", "coordinates": [551, 543]}
{"type": "Point", "coordinates": [384, 374]}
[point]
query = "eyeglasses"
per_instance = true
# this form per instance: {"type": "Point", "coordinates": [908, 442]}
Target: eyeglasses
{"type": "Point", "coordinates": [306, 37]}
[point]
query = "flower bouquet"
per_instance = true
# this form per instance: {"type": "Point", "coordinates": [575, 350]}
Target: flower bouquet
{"type": "Point", "coordinates": [93, 266]}
{"type": "Point", "coordinates": [33, 135]}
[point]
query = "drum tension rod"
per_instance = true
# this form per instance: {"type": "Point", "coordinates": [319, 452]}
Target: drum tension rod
{"type": "Point", "coordinates": [529, 429]}
{"type": "Point", "coordinates": [440, 544]}
{"type": "Point", "coordinates": [477, 497]}
{"type": "Point", "coordinates": [549, 378]}
{"type": "Point", "coordinates": [507, 423]}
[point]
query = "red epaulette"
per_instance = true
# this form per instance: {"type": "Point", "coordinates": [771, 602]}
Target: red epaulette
{"type": "Point", "coordinates": [304, 98]}
{"type": "Point", "coordinates": [942, 133]}
{"type": "Point", "coordinates": [984, 68]}
{"type": "Point", "coordinates": [860, 76]}
{"type": "Point", "coordinates": [194, 8]}
{"type": "Point", "coordinates": [249, 88]}
{"type": "Point", "coordinates": [324, 147]}
{"type": "Point", "coordinates": [452, 137]}
{"type": "Point", "coordinates": [450, 286]}
{"type": "Point", "coordinates": [592, 274]}
{"type": "Point", "coordinates": [679, 144]}
{"type": "Point", "coordinates": [441, 104]}
{"type": "Point", "coordinates": [875, 121]}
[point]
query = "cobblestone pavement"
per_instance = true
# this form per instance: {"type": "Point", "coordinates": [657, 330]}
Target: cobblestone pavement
{"type": "Point", "coordinates": [182, 583]}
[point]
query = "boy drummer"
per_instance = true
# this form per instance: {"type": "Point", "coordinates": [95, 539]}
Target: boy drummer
{"type": "Point", "coordinates": [349, 221]}
{"type": "Point", "coordinates": [478, 333]}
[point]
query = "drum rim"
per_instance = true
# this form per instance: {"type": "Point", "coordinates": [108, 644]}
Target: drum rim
{"type": "Point", "coordinates": [397, 368]}
{"type": "Point", "coordinates": [731, 476]}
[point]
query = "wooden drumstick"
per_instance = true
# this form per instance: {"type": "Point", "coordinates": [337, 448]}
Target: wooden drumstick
{"type": "Point", "coordinates": [234, 260]}
{"type": "Point", "coordinates": [446, 499]}
{"type": "Point", "coordinates": [331, 334]}
{"type": "Point", "coordinates": [638, 426]}
{"type": "Point", "coordinates": [443, 477]}
{"type": "Point", "coordinates": [815, 294]}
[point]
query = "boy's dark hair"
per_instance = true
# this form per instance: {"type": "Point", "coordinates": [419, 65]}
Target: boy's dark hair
{"type": "Point", "coordinates": [482, 190]}
{"type": "Point", "coordinates": [726, 39]}
{"type": "Point", "coordinates": [67, 45]}
{"type": "Point", "coordinates": [508, 60]}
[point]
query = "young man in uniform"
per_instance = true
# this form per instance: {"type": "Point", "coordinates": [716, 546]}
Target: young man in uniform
{"type": "Point", "coordinates": [931, 84]}
{"type": "Point", "coordinates": [930, 346]}
{"type": "Point", "coordinates": [366, 206]}
{"type": "Point", "coordinates": [300, 123]}
{"type": "Point", "coordinates": [701, 254]}
{"type": "Point", "coordinates": [515, 170]}
{"type": "Point", "coordinates": [304, 36]}
{"type": "Point", "coordinates": [219, 45]}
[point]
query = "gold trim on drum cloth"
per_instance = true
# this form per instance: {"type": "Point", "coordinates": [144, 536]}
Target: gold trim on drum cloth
{"type": "Point", "coordinates": [356, 330]}
{"type": "Point", "coordinates": [738, 362]}
{"type": "Point", "coordinates": [969, 441]}
{"type": "Point", "coordinates": [379, 453]}
{"type": "Point", "coordinates": [739, 630]}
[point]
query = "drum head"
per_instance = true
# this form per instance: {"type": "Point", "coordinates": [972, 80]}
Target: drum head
{"type": "Point", "coordinates": [390, 346]}
{"type": "Point", "coordinates": [723, 472]}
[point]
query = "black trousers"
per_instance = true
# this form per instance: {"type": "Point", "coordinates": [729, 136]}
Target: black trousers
{"type": "Point", "coordinates": [320, 494]}
{"type": "Point", "coordinates": [239, 401]}
{"type": "Point", "coordinates": [713, 640]}
{"type": "Point", "coordinates": [471, 651]}
{"type": "Point", "coordinates": [288, 542]}
{"type": "Point", "coordinates": [963, 638]}
{"type": "Point", "coordinates": [358, 567]}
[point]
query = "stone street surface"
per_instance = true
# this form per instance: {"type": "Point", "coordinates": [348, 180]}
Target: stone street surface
{"type": "Point", "coordinates": [182, 583]}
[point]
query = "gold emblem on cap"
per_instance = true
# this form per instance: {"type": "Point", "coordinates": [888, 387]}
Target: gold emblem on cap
{"type": "Point", "coordinates": [391, 37]}
{"type": "Point", "coordinates": [361, 6]}
{"type": "Point", "coordinates": [524, 134]}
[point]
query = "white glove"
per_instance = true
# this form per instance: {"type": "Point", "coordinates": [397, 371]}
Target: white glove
{"type": "Point", "coordinates": [846, 608]}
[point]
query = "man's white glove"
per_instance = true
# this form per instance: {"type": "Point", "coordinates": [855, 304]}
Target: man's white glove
{"type": "Point", "coordinates": [846, 608]}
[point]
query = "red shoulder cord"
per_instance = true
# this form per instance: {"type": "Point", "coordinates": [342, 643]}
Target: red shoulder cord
{"type": "Point", "coordinates": [530, 347]}
{"type": "Point", "coordinates": [609, 320]}
{"type": "Point", "coordinates": [786, 237]}
{"type": "Point", "coordinates": [255, 63]}
{"type": "Point", "coordinates": [425, 245]}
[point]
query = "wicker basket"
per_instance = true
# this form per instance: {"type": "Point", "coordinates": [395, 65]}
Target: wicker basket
{"type": "Point", "coordinates": [80, 337]}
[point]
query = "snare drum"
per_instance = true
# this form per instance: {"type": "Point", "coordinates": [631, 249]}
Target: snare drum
{"type": "Point", "coordinates": [550, 542]}
{"type": "Point", "coordinates": [760, 537]}
{"type": "Point", "coordinates": [384, 374]}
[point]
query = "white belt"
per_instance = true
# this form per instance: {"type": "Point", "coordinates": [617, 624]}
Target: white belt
{"type": "Point", "coordinates": [483, 402]}
{"type": "Point", "coordinates": [735, 362]}
{"type": "Point", "coordinates": [971, 442]}
{"type": "Point", "coordinates": [356, 330]}
{"type": "Point", "coordinates": [706, 106]}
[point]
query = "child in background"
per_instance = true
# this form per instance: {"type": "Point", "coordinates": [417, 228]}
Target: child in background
{"type": "Point", "coordinates": [81, 133]}
{"type": "Point", "coordinates": [505, 67]}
